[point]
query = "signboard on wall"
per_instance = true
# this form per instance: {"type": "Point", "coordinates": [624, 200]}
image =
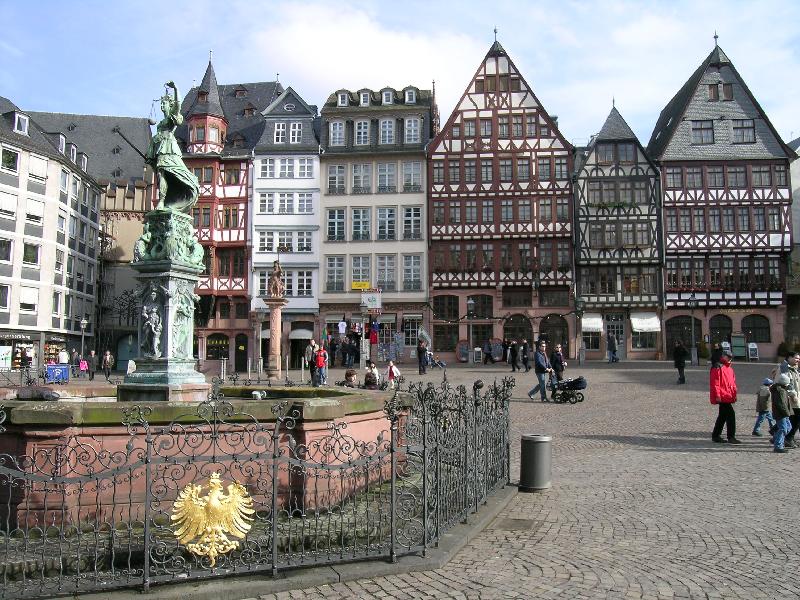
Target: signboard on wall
{"type": "Point", "coordinates": [360, 285]}
{"type": "Point", "coordinates": [372, 299]}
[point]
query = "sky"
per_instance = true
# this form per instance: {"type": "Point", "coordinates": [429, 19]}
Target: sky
{"type": "Point", "coordinates": [113, 57]}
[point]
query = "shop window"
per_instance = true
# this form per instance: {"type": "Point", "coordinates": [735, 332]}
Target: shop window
{"type": "Point", "coordinates": [217, 346]}
{"type": "Point", "coordinates": [445, 337]}
{"type": "Point", "coordinates": [643, 340]}
{"type": "Point", "coordinates": [591, 340]}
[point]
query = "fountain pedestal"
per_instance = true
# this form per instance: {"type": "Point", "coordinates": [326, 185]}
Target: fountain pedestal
{"type": "Point", "coordinates": [275, 307]}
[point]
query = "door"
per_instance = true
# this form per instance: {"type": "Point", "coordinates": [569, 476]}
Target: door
{"type": "Point", "coordinates": [240, 354]}
{"type": "Point", "coordinates": [615, 324]}
{"type": "Point", "coordinates": [554, 330]}
{"type": "Point", "coordinates": [679, 329]}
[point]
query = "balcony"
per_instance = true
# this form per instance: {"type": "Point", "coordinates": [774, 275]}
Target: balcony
{"type": "Point", "coordinates": [334, 286]}
{"type": "Point", "coordinates": [412, 187]}
{"type": "Point", "coordinates": [387, 236]}
{"type": "Point", "coordinates": [336, 237]}
{"type": "Point", "coordinates": [412, 235]}
{"type": "Point", "coordinates": [360, 189]}
{"type": "Point", "coordinates": [412, 285]}
{"type": "Point", "coordinates": [361, 236]}
{"type": "Point", "coordinates": [387, 189]}
{"type": "Point", "coordinates": [336, 190]}
{"type": "Point", "coordinates": [387, 286]}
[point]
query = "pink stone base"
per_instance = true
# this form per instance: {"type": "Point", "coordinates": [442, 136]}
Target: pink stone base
{"type": "Point", "coordinates": [141, 392]}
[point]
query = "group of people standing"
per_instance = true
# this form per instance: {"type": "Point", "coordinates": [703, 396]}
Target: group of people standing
{"type": "Point", "coordinates": [89, 365]}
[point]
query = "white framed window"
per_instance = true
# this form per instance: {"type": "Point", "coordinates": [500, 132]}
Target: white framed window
{"type": "Point", "coordinates": [265, 241]}
{"type": "Point", "coordinates": [89, 274]}
{"type": "Point", "coordinates": [387, 271]}
{"type": "Point", "coordinates": [361, 269]}
{"type": "Point", "coordinates": [75, 188]}
{"type": "Point", "coordinates": [266, 202]}
{"type": "Point", "coordinates": [336, 224]}
{"type": "Point", "coordinates": [68, 305]}
{"type": "Point", "coordinates": [387, 223]}
{"type": "Point", "coordinates": [387, 97]}
{"type": "Point", "coordinates": [9, 160]}
{"type": "Point", "coordinates": [73, 226]}
{"type": "Point", "coordinates": [336, 133]}
{"type": "Point", "coordinates": [84, 162]}
{"type": "Point", "coordinates": [285, 242]}
{"type": "Point", "coordinates": [387, 131]}
{"type": "Point", "coordinates": [362, 133]}
{"type": "Point", "coordinates": [412, 131]}
{"type": "Point", "coordinates": [304, 287]}
{"type": "Point", "coordinates": [286, 168]}
{"type": "Point", "coordinates": [304, 241]}
{"type": "Point", "coordinates": [213, 134]}
{"type": "Point", "coordinates": [305, 203]}
{"type": "Point", "coordinates": [5, 250]}
{"type": "Point", "coordinates": [334, 274]}
{"type": "Point", "coordinates": [361, 221]}
{"type": "Point", "coordinates": [30, 254]}
{"type": "Point", "coordinates": [295, 133]}
{"type": "Point", "coordinates": [412, 272]}
{"type": "Point", "coordinates": [387, 177]}
{"type": "Point", "coordinates": [8, 205]}
{"type": "Point", "coordinates": [37, 167]}
{"type": "Point", "coordinates": [263, 277]}
{"type": "Point", "coordinates": [364, 96]}
{"type": "Point", "coordinates": [411, 97]}
{"type": "Point", "coordinates": [280, 133]}
{"type": "Point", "coordinates": [73, 153]}
{"type": "Point", "coordinates": [82, 231]}
{"type": "Point", "coordinates": [92, 237]}
{"type": "Point", "coordinates": [412, 176]}
{"type": "Point", "coordinates": [305, 167]}
{"type": "Point", "coordinates": [34, 211]}
{"type": "Point", "coordinates": [59, 261]}
{"type": "Point", "coordinates": [21, 123]}
{"type": "Point", "coordinates": [62, 222]}
{"type": "Point", "coordinates": [64, 184]}
{"type": "Point", "coordinates": [343, 99]}
{"type": "Point", "coordinates": [362, 178]}
{"type": "Point", "coordinates": [412, 222]}
{"type": "Point", "coordinates": [268, 168]}
{"type": "Point", "coordinates": [5, 292]}
{"type": "Point", "coordinates": [336, 179]}
{"type": "Point", "coordinates": [56, 303]}
{"type": "Point", "coordinates": [28, 299]}
{"type": "Point", "coordinates": [285, 203]}
{"type": "Point", "coordinates": [62, 143]}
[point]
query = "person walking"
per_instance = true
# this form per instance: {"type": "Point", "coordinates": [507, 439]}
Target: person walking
{"type": "Point", "coordinates": [92, 362]}
{"type": "Point", "coordinates": [506, 346]}
{"type": "Point", "coordinates": [75, 360]}
{"type": "Point", "coordinates": [779, 395]}
{"type": "Point", "coordinates": [513, 355]}
{"type": "Point", "coordinates": [392, 374]}
{"type": "Point", "coordinates": [63, 357]}
{"type": "Point", "coordinates": [611, 344]}
{"type": "Point", "coordinates": [487, 352]}
{"type": "Point", "coordinates": [791, 369]}
{"type": "Point", "coordinates": [524, 352]}
{"type": "Point", "coordinates": [321, 363]}
{"type": "Point", "coordinates": [763, 398]}
{"type": "Point", "coordinates": [541, 366]}
{"type": "Point", "coordinates": [679, 355]}
{"type": "Point", "coordinates": [724, 394]}
{"type": "Point", "coordinates": [333, 345]}
{"type": "Point", "coordinates": [108, 365]}
{"type": "Point", "coordinates": [716, 353]}
{"type": "Point", "coordinates": [422, 356]}
{"type": "Point", "coordinates": [558, 363]}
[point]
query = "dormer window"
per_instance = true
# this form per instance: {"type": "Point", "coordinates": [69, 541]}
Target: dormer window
{"type": "Point", "coordinates": [116, 172]}
{"type": "Point", "coordinates": [21, 124]}
{"type": "Point", "coordinates": [83, 162]}
{"type": "Point", "coordinates": [249, 110]}
{"type": "Point", "coordinates": [240, 92]}
{"type": "Point", "coordinates": [411, 97]}
{"type": "Point", "coordinates": [238, 142]}
{"type": "Point", "coordinates": [202, 96]}
{"type": "Point", "coordinates": [62, 143]}
{"type": "Point", "coordinates": [116, 150]}
{"type": "Point", "coordinates": [387, 97]}
{"type": "Point", "coordinates": [73, 152]}
{"type": "Point", "coordinates": [343, 99]}
{"type": "Point", "coordinates": [364, 98]}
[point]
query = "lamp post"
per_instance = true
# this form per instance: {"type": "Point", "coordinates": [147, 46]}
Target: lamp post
{"type": "Point", "coordinates": [579, 314]}
{"type": "Point", "coordinates": [692, 306]}
{"type": "Point", "coordinates": [470, 316]}
{"type": "Point", "coordinates": [84, 323]}
{"type": "Point", "coordinates": [362, 356]}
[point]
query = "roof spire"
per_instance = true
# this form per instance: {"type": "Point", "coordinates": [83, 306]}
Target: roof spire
{"type": "Point", "coordinates": [716, 37]}
{"type": "Point", "coordinates": [208, 102]}
{"type": "Point", "coordinates": [210, 55]}
{"type": "Point", "coordinates": [613, 102]}
{"type": "Point", "coordinates": [495, 33]}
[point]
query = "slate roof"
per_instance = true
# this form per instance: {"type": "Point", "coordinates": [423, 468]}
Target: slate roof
{"type": "Point", "coordinates": [673, 112]}
{"type": "Point", "coordinates": [615, 128]}
{"type": "Point", "coordinates": [301, 112]}
{"type": "Point", "coordinates": [794, 144]}
{"type": "Point", "coordinates": [496, 50]}
{"type": "Point", "coordinates": [212, 105]}
{"type": "Point", "coordinates": [36, 141]}
{"type": "Point", "coordinates": [424, 98]}
{"type": "Point", "coordinates": [109, 156]}
{"type": "Point", "coordinates": [259, 94]}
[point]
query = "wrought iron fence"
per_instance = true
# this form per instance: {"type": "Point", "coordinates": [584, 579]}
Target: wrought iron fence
{"type": "Point", "coordinates": [77, 517]}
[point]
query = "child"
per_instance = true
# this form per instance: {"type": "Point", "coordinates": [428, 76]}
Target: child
{"type": "Point", "coordinates": [781, 411]}
{"type": "Point", "coordinates": [392, 373]}
{"type": "Point", "coordinates": [763, 408]}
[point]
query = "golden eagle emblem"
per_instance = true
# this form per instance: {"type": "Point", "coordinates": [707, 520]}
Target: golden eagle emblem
{"type": "Point", "coordinates": [212, 518]}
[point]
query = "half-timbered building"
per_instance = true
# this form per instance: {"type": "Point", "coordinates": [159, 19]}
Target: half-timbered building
{"type": "Point", "coordinates": [727, 202]}
{"type": "Point", "coordinates": [222, 125]}
{"type": "Point", "coordinates": [618, 248]}
{"type": "Point", "coordinates": [500, 206]}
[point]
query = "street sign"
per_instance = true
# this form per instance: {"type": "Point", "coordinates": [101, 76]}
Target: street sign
{"type": "Point", "coordinates": [372, 300]}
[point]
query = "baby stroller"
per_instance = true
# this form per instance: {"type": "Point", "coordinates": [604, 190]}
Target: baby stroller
{"type": "Point", "coordinates": [567, 390]}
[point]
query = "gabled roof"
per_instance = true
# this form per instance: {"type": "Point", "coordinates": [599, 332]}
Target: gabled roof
{"type": "Point", "coordinates": [107, 152]}
{"type": "Point", "coordinates": [289, 97]}
{"type": "Point", "coordinates": [673, 112]}
{"type": "Point", "coordinates": [496, 50]}
{"type": "Point", "coordinates": [615, 128]}
{"type": "Point", "coordinates": [794, 144]}
{"type": "Point", "coordinates": [212, 106]}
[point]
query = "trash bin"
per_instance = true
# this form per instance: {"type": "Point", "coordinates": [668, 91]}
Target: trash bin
{"type": "Point", "coordinates": [536, 461]}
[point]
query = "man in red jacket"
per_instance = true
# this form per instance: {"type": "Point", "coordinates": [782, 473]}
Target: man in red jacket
{"type": "Point", "coordinates": [723, 394]}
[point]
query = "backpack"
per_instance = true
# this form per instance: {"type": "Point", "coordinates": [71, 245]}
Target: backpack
{"type": "Point", "coordinates": [322, 358]}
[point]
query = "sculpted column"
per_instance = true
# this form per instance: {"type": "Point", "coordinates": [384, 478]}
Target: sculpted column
{"type": "Point", "coordinates": [275, 303]}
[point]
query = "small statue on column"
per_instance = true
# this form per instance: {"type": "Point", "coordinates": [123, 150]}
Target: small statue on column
{"type": "Point", "coordinates": [276, 286]}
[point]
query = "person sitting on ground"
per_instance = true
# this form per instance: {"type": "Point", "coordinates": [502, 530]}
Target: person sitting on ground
{"type": "Point", "coordinates": [371, 368]}
{"type": "Point", "coordinates": [350, 378]}
{"type": "Point", "coordinates": [438, 362]}
{"type": "Point", "coordinates": [763, 398]}
{"type": "Point", "coordinates": [370, 381]}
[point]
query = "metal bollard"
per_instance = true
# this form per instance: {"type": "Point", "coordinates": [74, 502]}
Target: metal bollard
{"type": "Point", "coordinates": [536, 462]}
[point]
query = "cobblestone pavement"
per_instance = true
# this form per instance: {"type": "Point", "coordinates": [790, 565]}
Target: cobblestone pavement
{"type": "Point", "coordinates": [643, 505]}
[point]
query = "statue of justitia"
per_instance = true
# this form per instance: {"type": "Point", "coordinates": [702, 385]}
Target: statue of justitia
{"type": "Point", "coordinates": [276, 285]}
{"type": "Point", "coordinates": [177, 186]}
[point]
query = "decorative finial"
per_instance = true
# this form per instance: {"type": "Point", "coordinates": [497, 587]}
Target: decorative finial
{"type": "Point", "coordinates": [495, 33]}
{"type": "Point", "coordinates": [277, 77]}
{"type": "Point", "coordinates": [613, 102]}
{"type": "Point", "coordinates": [716, 37]}
{"type": "Point", "coordinates": [210, 55]}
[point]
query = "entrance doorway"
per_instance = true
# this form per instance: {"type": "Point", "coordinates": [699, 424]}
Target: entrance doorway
{"type": "Point", "coordinates": [678, 329]}
{"type": "Point", "coordinates": [615, 324]}
{"type": "Point", "coordinates": [518, 327]}
{"type": "Point", "coordinates": [721, 328]}
{"type": "Point", "coordinates": [554, 330]}
{"type": "Point", "coordinates": [240, 353]}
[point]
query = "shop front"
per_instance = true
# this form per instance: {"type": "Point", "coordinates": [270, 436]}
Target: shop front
{"type": "Point", "coordinates": [16, 344]}
{"type": "Point", "coordinates": [637, 334]}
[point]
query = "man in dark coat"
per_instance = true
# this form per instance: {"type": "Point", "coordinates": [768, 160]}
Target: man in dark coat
{"type": "Point", "coordinates": [679, 355]}
{"type": "Point", "coordinates": [524, 352]}
{"type": "Point", "coordinates": [422, 356]}
{"type": "Point", "coordinates": [558, 363]}
{"type": "Point", "coordinates": [513, 354]}
{"type": "Point", "coordinates": [92, 363]}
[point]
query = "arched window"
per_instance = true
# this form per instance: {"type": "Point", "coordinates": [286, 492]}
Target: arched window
{"type": "Point", "coordinates": [721, 328]}
{"type": "Point", "coordinates": [518, 327]}
{"type": "Point", "coordinates": [756, 328]}
{"type": "Point", "coordinates": [217, 346]}
{"type": "Point", "coordinates": [678, 329]}
{"type": "Point", "coordinates": [554, 330]}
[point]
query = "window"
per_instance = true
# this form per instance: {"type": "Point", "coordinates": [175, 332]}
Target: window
{"type": "Point", "coordinates": [361, 218]}
{"type": "Point", "coordinates": [455, 212]}
{"type": "Point", "coordinates": [73, 152]}
{"type": "Point", "coordinates": [305, 167]}
{"type": "Point", "coordinates": [295, 133]}
{"type": "Point", "coordinates": [362, 133]}
{"type": "Point", "coordinates": [412, 176]}
{"type": "Point", "coordinates": [737, 177]}
{"type": "Point", "coordinates": [702, 132]}
{"type": "Point", "coordinates": [438, 171]}
{"type": "Point", "coordinates": [506, 211]}
{"type": "Point", "coordinates": [445, 308]}
{"type": "Point", "coordinates": [471, 211]}
{"type": "Point", "coordinates": [561, 168]}
{"type": "Point", "coordinates": [37, 167]}
{"type": "Point", "coordinates": [699, 220]}
{"type": "Point", "coordinates": [506, 170]}
{"type": "Point", "coordinates": [487, 211]}
{"type": "Point", "coordinates": [727, 91]}
{"type": "Point", "coordinates": [305, 203]}
{"type": "Point", "coordinates": [334, 280]}
{"type": "Point", "coordinates": [713, 92]}
{"type": "Point", "coordinates": [30, 254]}
{"type": "Point", "coordinates": [364, 98]}
{"type": "Point", "coordinates": [199, 135]}
{"type": "Point", "coordinates": [387, 131]}
{"type": "Point", "coordinates": [412, 223]}
{"type": "Point", "coordinates": [265, 241]}
{"type": "Point", "coordinates": [546, 256]}
{"type": "Point", "coordinates": [694, 178]}
{"type": "Point", "coordinates": [759, 218]}
{"type": "Point", "coordinates": [744, 218]}
{"type": "Point", "coordinates": [343, 99]}
{"type": "Point", "coordinates": [361, 269]}
{"type": "Point", "coordinates": [546, 210]}
{"type": "Point", "coordinates": [486, 127]}
{"type": "Point", "coordinates": [336, 179]}
{"type": "Point", "coordinates": [728, 220]}
{"type": "Point", "coordinates": [487, 250]}
{"type": "Point", "coordinates": [674, 178]}
{"type": "Point", "coordinates": [455, 257]}
{"type": "Point", "coordinates": [454, 171]}
{"type": "Point", "coordinates": [744, 131]}
{"type": "Point", "coordinates": [715, 177]}
{"type": "Point", "coordinates": [207, 217]}
{"type": "Point", "coordinates": [225, 310]}
{"type": "Point", "coordinates": [672, 220]}
{"type": "Point", "coordinates": [774, 218]}
{"type": "Point", "coordinates": [605, 153]}
{"type": "Point", "coordinates": [362, 179]}
{"type": "Point", "coordinates": [562, 210]}
{"type": "Point", "coordinates": [28, 299]}
{"type": "Point", "coordinates": [5, 251]}
{"type": "Point", "coordinates": [336, 133]}
{"type": "Point", "coordinates": [438, 213]}
{"type": "Point", "coordinates": [486, 171]}
{"type": "Point", "coordinates": [714, 220]}
{"type": "Point", "coordinates": [544, 169]}
{"type": "Point", "coordinates": [62, 143]}
{"type": "Point", "coordinates": [530, 125]}
{"type": "Point", "coordinates": [387, 272]}
{"type": "Point", "coordinates": [304, 241]}
{"type": "Point", "coordinates": [387, 223]}
{"type": "Point", "coordinates": [280, 133]}
{"type": "Point", "coordinates": [524, 207]}
{"type": "Point", "coordinates": [502, 126]}
{"type": "Point", "coordinates": [470, 171]}
{"type": "Point", "coordinates": [780, 175]}
{"type": "Point", "coordinates": [516, 126]}
{"type": "Point", "coordinates": [387, 97]}
{"type": "Point", "coordinates": [73, 226]}
{"type": "Point", "coordinates": [762, 176]}
{"type": "Point", "coordinates": [9, 159]}
{"type": "Point", "coordinates": [626, 153]}
{"type": "Point", "coordinates": [523, 169]}
{"type": "Point", "coordinates": [412, 131]}
{"type": "Point", "coordinates": [387, 177]}
{"type": "Point", "coordinates": [231, 175]}
{"type": "Point", "coordinates": [544, 131]}
{"type": "Point", "coordinates": [34, 213]}
{"type": "Point", "coordinates": [469, 128]}
{"type": "Point", "coordinates": [213, 134]}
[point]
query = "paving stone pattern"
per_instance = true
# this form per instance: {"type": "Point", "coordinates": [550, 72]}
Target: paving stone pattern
{"type": "Point", "coordinates": [643, 505]}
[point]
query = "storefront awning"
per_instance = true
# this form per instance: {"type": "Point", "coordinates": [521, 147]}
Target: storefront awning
{"type": "Point", "coordinates": [301, 334]}
{"type": "Point", "coordinates": [645, 322]}
{"type": "Point", "coordinates": [387, 318]}
{"type": "Point", "coordinates": [592, 322]}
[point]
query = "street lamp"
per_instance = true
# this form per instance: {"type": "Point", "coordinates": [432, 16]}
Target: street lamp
{"type": "Point", "coordinates": [692, 306]}
{"type": "Point", "coordinates": [362, 356]}
{"type": "Point", "coordinates": [579, 314]}
{"type": "Point", "coordinates": [470, 316]}
{"type": "Point", "coordinates": [84, 323]}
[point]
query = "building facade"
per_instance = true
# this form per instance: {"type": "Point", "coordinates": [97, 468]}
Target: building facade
{"type": "Point", "coordinates": [223, 124]}
{"type": "Point", "coordinates": [373, 209]}
{"type": "Point", "coordinates": [500, 224]}
{"type": "Point", "coordinates": [285, 217]}
{"type": "Point", "coordinates": [127, 192]}
{"type": "Point", "coordinates": [49, 250]}
{"type": "Point", "coordinates": [727, 212]}
{"type": "Point", "coordinates": [618, 255]}
{"type": "Point", "coordinates": [792, 336]}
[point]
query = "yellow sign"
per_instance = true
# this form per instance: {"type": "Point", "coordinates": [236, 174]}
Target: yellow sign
{"type": "Point", "coordinates": [360, 285]}
{"type": "Point", "coordinates": [208, 519]}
